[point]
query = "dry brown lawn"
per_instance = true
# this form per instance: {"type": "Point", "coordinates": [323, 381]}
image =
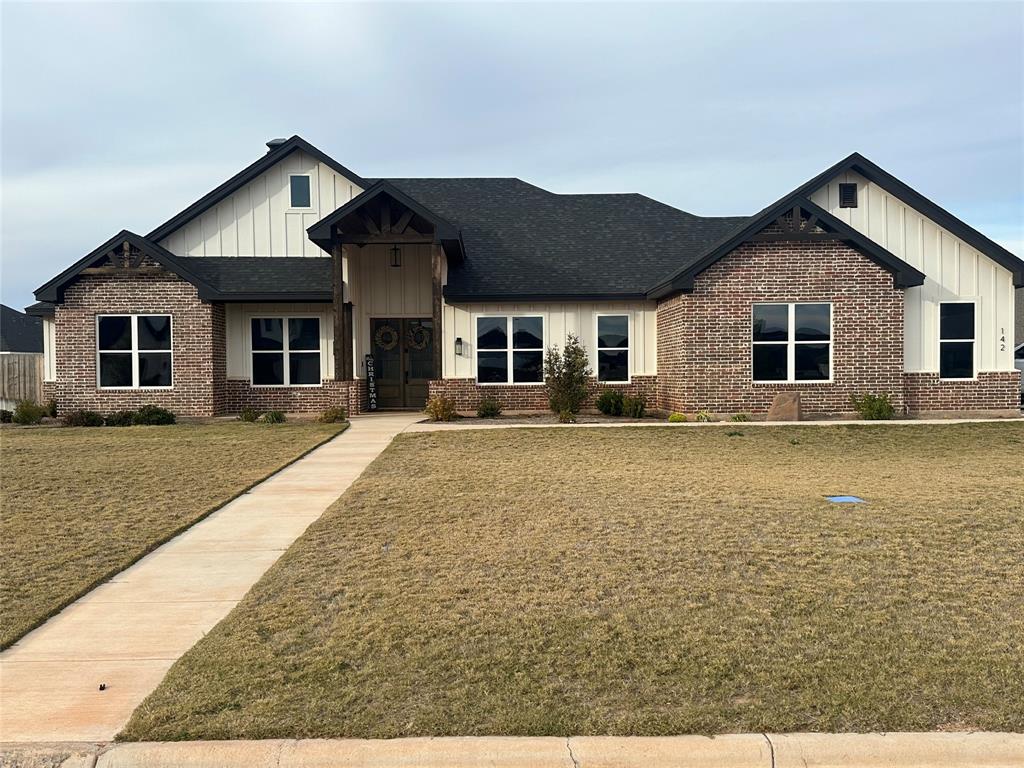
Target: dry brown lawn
{"type": "Point", "coordinates": [78, 505]}
{"type": "Point", "coordinates": [635, 581]}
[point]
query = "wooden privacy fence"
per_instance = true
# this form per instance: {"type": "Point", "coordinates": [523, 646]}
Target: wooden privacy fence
{"type": "Point", "coordinates": [21, 377]}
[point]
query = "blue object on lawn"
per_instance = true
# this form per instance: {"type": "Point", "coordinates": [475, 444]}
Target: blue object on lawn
{"type": "Point", "coordinates": [846, 499]}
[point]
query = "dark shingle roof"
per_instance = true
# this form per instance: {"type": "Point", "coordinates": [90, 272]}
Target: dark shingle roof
{"type": "Point", "coordinates": [19, 332]}
{"type": "Point", "coordinates": [254, 278]}
{"type": "Point", "coordinates": [523, 241]}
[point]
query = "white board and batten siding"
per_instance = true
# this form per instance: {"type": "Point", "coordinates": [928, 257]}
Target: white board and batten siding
{"type": "Point", "coordinates": [560, 319]}
{"type": "Point", "coordinates": [258, 220]}
{"type": "Point", "coordinates": [237, 322]}
{"type": "Point", "coordinates": [953, 271]}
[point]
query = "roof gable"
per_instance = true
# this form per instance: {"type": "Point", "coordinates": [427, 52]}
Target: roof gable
{"type": "Point", "coordinates": [859, 164]}
{"type": "Point", "coordinates": [243, 177]}
{"type": "Point", "coordinates": [904, 275]}
{"type": "Point", "coordinates": [53, 291]}
{"type": "Point", "coordinates": [358, 222]}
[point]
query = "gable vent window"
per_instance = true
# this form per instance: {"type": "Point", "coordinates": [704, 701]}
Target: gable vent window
{"type": "Point", "coordinates": [300, 191]}
{"type": "Point", "coordinates": [847, 195]}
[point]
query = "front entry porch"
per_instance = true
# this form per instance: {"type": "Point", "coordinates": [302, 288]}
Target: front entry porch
{"type": "Point", "coordinates": [403, 356]}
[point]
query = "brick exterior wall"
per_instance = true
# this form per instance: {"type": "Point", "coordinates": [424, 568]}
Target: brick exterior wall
{"type": "Point", "coordinates": [467, 394]}
{"type": "Point", "coordinates": [996, 392]}
{"type": "Point", "coordinates": [197, 329]}
{"type": "Point", "coordinates": [240, 394]}
{"type": "Point", "coordinates": [704, 350]}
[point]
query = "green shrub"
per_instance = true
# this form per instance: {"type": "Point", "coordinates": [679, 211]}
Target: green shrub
{"type": "Point", "coordinates": [248, 414]}
{"type": "Point", "coordinates": [333, 415]}
{"type": "Point", "coordinates": [741, 417]}
{"type": "Point", "coordinates": [120, 419]}
{"type": "Point", "coordinates": [704, 417]}
{"type": "Point", "coordinates": [82, 418]}
{"type": "Point", "coordinates": [565, 375]}
{"type": "Point", "coordinates": [489, 408]}
{"type": "Point", "coordinates": [609, 402]}
{"type": "Point", "coordinates": [272, 417]}
{"type": "Point", "coordinates": [440, 408]}
{"type": "Point", "coordinates": [566, 417]}
{"type": "Point", "coordinates": [873, 407]}
{"type": "Point", "coordinates": [6, 416]}
{"type": "Point", "coordinates": [634, 407]}
{"type": "Point", "coordinates": [677, 418]}
{"type": "Point", "coordinates": [734, 433]}
{"type": "Point", "coordinates": [28, 412]}
{"type": "Point", "coordinates": [51, 408]}
{"type": "Point", "coordinates": [153, 415]}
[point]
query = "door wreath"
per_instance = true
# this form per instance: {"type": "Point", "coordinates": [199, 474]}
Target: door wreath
{"type": "Point", "coordinates": [386, 337]}
{"type": "Point", "coordinates": [417, 337]}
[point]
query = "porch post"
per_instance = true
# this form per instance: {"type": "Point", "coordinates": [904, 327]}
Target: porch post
{"type": "Point", "coordinates": [435, 271]}
{"type": "Point", "coordinates": [342, 324]}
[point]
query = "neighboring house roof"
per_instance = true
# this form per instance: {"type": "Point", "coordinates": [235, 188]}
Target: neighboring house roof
{"type": "Point", "coordinates": [904, 275]}
{"type": "Point", "coordinates": [19, 332]}
{"type": "Point", "coordinates": [525, 243]}
{"type": "Point", "coordinates": [243, 177]}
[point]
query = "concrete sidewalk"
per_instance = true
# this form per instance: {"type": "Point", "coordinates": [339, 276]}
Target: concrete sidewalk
{"type": "Point", "coordinates": [754, 750]}
{"type": "Point", "coordinates": [126, 633]}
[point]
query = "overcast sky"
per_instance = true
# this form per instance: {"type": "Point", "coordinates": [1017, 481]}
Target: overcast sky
{"type": "Point", "coordinates": [118, 116]}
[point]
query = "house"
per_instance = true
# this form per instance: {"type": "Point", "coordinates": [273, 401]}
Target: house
{"type": "Point", "coordinates": [296, 282]}
{"type": "Point", "coordinates": [21, 357]}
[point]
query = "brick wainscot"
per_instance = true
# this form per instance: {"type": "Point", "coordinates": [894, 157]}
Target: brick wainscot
{"type": "Point", "coordinates": [467, 394]}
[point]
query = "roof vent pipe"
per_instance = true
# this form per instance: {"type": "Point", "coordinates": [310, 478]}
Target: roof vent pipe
{"type": "Point", "coordinates": [275, 143]}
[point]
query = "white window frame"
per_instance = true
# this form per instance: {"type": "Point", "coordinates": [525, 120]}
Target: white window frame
{"type": "Point", "coordinates": [300, 207]}
{"type": "Point", "coordinates": [508, 316]}
{"type": "Point", "coordinates": [284, 318]}
{"type": "Point", "coordinates": [599, 349]}
{"type": "Point", "coordinates": [134, 351]}
{"type": "Point", "coordinates": [940, 341]}
{"type": "Point", "coordinates": [791, 343]}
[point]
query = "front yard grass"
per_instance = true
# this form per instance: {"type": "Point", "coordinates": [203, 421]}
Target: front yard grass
{"type": "Point", "coordinates": [79, 505]}
{"type": "Point", "coordinates": [635, 581]}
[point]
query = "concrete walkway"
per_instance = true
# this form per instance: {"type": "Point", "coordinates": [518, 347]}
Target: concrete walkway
{"type": "Point", "coordinates": [126, 633]}
{"type": "Point", "coordinates": [752, 750]}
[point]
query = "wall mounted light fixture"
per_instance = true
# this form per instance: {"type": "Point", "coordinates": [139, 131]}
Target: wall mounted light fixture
{"type": "Point", "coordinates": [396, 256]}
{"type": "Point", "coordinates": [458, 346]}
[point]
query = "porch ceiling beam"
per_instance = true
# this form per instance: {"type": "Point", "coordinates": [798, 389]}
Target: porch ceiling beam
{"type": "Point", "coordinates": [381, 239]}
{"type": "Point", "coordinates": [385, 217]}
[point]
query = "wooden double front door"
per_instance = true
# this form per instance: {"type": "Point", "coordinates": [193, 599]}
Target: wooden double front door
{"type": "Point", "coordinates": [403, 356]}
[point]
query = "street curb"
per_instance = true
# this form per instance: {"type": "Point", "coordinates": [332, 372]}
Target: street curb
{"type": "Point", "coordinates": [753, 750]}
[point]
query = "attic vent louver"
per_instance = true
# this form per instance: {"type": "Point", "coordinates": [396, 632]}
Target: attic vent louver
{"type": "Point", "coordinates": [847, 195]}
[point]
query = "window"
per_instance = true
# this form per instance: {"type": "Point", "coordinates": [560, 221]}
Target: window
{"type": "Point", "coordinates": [956, 340]}
{"type": "Point", "coordinates": [500, 353]}
{"type": "Point", "coordinates": [792, 342]}
{"type": "Point", "coordinates": [613, 347]}
{"type": "Point", "coordinates": [285, 351]}
{"type": "Point", "coordinates": [847, 195]}
{"type": "Point", "coordinates": [300, 191]}
{"type": "Point", "coordinates": [133, 351]}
